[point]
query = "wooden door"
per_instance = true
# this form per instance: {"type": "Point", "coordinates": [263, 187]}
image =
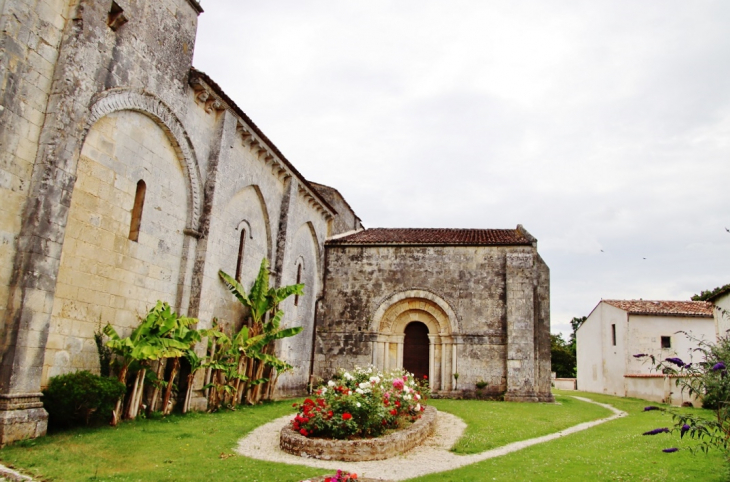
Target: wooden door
{"type": "Point", "coordinates": [415, 349]}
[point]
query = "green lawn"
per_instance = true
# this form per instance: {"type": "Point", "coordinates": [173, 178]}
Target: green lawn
{"type": "Point", "coordinates": [189, 447]}
{"type": "Point", "coordinates": [493, 424]}
{"type": "Point", "coordinates": [613, 451]}
{"type": "Point", "coordinates": [173, 449]}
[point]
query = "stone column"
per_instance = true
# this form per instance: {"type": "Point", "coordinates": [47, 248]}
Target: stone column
{"type": "Point", "coordinates": [445, 353]}
{"type": "Point", "coordinates": [386, 355]}
{"type": "Point", "coordinates": [374, 347]}
{"type": "Point", "coordinates": [383, 355]}
{"type": "Point", "coordinates": [399, 361]}
{"type": "Point", "coordinates": [454, 368]}
{"type": "Point", "coordinates": [520, 288]}
{"type": "Point", "coordinates": [431, 361]}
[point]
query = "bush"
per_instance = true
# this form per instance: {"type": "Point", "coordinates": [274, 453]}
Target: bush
{"type": "Point", "coordinates": [80, 398]}
{"type": "Point", "coordinates": [364, 403]}
{"type": "Point", "coordinates": [706, 378]}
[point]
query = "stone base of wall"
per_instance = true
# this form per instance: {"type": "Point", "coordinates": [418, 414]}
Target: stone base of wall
{"type": "Point", "coordinates": [469, 395]}
{"type": "Point", "coordinates": [379, 448]}
{"type": "Point", "coordinates": [22, 424]}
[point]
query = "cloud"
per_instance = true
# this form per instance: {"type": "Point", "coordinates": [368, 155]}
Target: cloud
{"type": "Point", "coordinates": [599, 126]}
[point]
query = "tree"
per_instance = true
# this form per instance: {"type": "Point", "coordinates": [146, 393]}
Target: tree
{"type": "Point", "coordinates": [562, 358]}
{"type": "Point", "coordinates": [575, 323]}
{"type": "Point", "coordinates": [707, 294]}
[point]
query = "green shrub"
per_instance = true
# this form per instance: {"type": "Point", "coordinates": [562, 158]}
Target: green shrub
{"type": "Point", "coordinates": [80, 398]}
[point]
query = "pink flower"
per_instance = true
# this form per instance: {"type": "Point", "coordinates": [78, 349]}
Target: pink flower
{"type": "Point", "coordinates": [398, 384]}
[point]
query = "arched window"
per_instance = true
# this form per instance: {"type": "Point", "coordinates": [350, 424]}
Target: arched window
{"type": "Point", "coordinates": [137, 211]}
{"type": "Point", "coordinates": [241, 248]}
{"type": "Point", "coordinates": [299, 280]}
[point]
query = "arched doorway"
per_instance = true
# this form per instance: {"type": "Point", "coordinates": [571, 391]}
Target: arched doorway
{"type": "Point", "coordinates": [415, 349]}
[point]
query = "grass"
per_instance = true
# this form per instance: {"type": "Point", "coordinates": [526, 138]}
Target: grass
{"type": "Point", "coordinates": [613, 451]}
{"type": "Point", "coordinates": [493, 424]}
{"type": "Point", "coordinates": [176, 448]}
{"type": "Point", "coordinates": [190, 447]}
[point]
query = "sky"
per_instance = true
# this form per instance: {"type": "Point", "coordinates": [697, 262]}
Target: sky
{"type": "Point", "coordinates": [602, 127]}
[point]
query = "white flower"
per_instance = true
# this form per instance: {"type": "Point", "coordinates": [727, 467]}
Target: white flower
{"type": "Point", "coordinates": [348, 376]}
{"type": "Point", "coordinates": [374, 380]}
{"type": "Point", "coordinates": [359, 390]}
{"type": "Point", "coordinates": [407, 397]}
{"type": "Point", "coordinates": [358, 405]}
{"type": "Point", "coordinates": [324, 390]}
{"type": "Point", "coordinates": [331, 383]}
{"type": "Point", "coordinates": [364, 385]}
{"type": "Point", "coordinates": [418, 407]}
{"type": "Point", "coordinates": [418, 397]}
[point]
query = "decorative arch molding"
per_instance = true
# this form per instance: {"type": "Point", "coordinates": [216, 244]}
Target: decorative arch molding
{"type": "Point", "coordinates": [267, 219]}
{"type": "Point", "coordinates": [414, 300]}
{"type": "Point", "coordinates": [145, 103]}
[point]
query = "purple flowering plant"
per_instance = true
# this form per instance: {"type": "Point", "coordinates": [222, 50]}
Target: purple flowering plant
{"type": "Point", "coordinates": [708, 380]}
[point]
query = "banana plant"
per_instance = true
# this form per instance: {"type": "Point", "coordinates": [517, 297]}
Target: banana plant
{"type": "Point", "coordinates": [255, 343]}
{"type": "Point", "coordinates": [162, 334]}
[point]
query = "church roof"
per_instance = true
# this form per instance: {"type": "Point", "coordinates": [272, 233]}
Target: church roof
{"type": "Point", "coordinates": [440, 237]}
{"type": "Point", "coordinates": [671, 308]}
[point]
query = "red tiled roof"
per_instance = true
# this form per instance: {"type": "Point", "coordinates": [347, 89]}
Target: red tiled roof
{"type": "Point", "coordinates": [671, 308]}
{"type": "Point", "coordinates": [468, 237]}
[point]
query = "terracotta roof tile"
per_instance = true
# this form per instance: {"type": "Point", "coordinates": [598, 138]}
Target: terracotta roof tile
{"type": "Point", "coordinates": [671, 308]}
{"type": "Point", "coordinates": [468, 237]}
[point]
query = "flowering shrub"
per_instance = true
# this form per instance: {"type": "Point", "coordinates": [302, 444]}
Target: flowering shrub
{"type": "Point", "coordinates": [361, 403]}
{"type": "Point", "coordinates": [708, 379]}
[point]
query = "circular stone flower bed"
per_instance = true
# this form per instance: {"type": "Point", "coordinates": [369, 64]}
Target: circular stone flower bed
{"type": "Point", "coordinates": [378, 448]}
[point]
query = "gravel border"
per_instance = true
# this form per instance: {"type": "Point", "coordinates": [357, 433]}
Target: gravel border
{"type": "Point", "coordinates": [433, 456]}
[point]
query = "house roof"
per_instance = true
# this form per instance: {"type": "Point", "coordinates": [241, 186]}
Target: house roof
{"type": "Point", "coordinates": [701, 309]}
{"type": "Point", "coordinates": [439, 237]}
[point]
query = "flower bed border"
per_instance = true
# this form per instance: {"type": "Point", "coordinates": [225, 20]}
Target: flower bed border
{"type": "Point", "coordinates": [379, 448]}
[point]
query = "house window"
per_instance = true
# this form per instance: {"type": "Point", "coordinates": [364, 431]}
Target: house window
{"type": "Point", "coordinates": [666, 342]}
{"type": "Point", "coordinates": [299, 280]}
{"type": "Point", "coordinates": [241, 248]}
{"type": "Point", "coordinates": [137, 211]}
{"type": "Point", "coordinates": [613, 334]}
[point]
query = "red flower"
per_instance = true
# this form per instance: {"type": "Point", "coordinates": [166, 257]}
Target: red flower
{"type": "Point", "coordinates": [425, 377]}
{"type": "Point", "coordinates": [303, 432]}
{"type": "Point", "coordinates": [329, 414]}
{"type": "Point", "coordinates": [294, 405]}
{"type": "Point", "coordinates": [346, 416]}
{"type": "Point", "coordinates": [320, 402]}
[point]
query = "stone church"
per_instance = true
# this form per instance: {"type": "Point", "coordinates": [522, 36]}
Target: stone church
{"type": "Point", "coordinates": [127, 177]}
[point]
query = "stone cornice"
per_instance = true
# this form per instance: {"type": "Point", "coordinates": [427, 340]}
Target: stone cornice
{"type": "Point", "coordinates": [208, 97]}
{"type": "Point", "coordinates": [196, 6]}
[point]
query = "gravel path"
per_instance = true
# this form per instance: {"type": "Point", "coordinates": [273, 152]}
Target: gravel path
{"type": "Point", "coordinates": [433, 456]}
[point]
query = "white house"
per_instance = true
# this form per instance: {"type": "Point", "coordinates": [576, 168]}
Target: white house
{"type": "Point", "coordinates": [721, 300]}
{"type": "Point", "coordinates": [616, 330]}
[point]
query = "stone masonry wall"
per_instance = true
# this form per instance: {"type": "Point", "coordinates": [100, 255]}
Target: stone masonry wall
{"type": "Point", "coordinates": [29, 42]}
{"type": "Point", "coordinates": [472, 280]}
{"type": "Point", "coordinates": [104, 276]}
